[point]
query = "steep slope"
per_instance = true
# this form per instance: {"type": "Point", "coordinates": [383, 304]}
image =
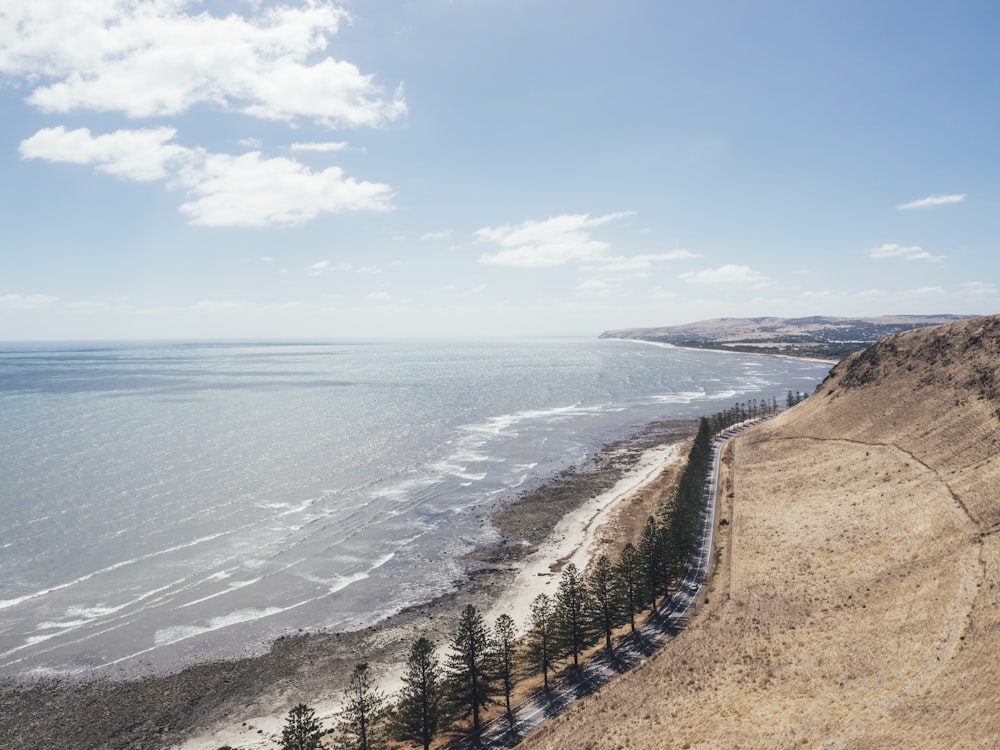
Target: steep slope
{"type": "Point", "coordinates": [861, 606]}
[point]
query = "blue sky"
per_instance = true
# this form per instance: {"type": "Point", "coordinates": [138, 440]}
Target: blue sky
{"type": "Point", "coordinates": [178, 169]}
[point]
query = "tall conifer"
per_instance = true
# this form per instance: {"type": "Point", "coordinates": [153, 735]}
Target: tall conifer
{"type": "Point", "coordinates": [469, 665]}
{"type": "Point", "coordinates": [421, 711]}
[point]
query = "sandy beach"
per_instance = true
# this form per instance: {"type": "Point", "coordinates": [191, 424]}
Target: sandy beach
{"type": "Point", "coordinates": [576, 536]}
{"type": "Point", "coordinates": [243, 702]}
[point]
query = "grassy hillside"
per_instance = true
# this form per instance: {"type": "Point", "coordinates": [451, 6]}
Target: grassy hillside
{"type": "Point", "coordinates": [858, 605]}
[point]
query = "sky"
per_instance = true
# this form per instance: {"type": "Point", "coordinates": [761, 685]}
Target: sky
{"type": "Point", "coordinates": [396, 168]}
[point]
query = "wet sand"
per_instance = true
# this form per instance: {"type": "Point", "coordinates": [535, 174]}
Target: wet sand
{"type": "Point", "coordinates": [242, 702]}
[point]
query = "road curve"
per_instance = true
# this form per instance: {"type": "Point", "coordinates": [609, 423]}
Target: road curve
{"type": "Point", "coordinates": [669, 618]}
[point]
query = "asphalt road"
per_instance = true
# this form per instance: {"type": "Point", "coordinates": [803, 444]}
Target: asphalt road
{"type": "Point", "coordinates": [670, 617]}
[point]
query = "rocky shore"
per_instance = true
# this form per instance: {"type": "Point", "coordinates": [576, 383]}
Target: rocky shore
{"type": "Point", "coordinates": [187, 708]}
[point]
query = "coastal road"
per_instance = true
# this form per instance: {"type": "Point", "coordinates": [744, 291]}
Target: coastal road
{"type": "Point", "coordinates": [670, 617]}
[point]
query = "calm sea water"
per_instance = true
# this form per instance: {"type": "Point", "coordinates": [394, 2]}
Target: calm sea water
{"type": "Point", "coordinates": [167, 503]}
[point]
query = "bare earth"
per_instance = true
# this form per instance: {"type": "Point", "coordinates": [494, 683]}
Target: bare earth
{"type": "Point", "coordinates": [858, 603]}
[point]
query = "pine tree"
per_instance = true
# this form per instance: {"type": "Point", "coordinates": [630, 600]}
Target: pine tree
{"type": "Point", "coordinates": [363, 712]}
{"type": "Point", "coordinates": [541, 635]}
{"type": "Point", "coordinates": [627, 575]}
{"type": "Point", "coordinates": [603, 598]}
{"type": "Point", "coordinates": [504, 647]}
{"type": "Point", "coordinates": [649, 562]}
{"type": "Point", "coordinates": [573, 629]}
{"type": "Point", "coordinates": [469, 665]}
{"type": "Point", "coordinates": [302, 731]}
{"type": "Point", "coordinates": [421, 711]}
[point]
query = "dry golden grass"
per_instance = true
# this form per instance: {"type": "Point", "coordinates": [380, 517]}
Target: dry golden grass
{"type": "Point", "coordinates": [859, 604]}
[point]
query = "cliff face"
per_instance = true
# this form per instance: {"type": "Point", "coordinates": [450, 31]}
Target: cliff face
{"type": "Point", "coordinates": [859, 602]}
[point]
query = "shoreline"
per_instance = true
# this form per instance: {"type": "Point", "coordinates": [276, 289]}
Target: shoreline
{"type": "Point", "coordinates": [793, 357]}
{"type": "Point", "coordinates": [576, 537]}
{"type": "Point", "coordinates": [243, 702]}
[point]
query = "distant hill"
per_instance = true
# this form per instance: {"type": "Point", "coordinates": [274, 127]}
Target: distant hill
{"type": "Point", "coordinates": [815, 336]}
{"type": "Point", "coordinates": [856, 603]}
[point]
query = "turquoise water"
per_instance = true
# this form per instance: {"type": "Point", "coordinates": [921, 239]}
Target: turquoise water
{"type": "Point", "coordinates": [166, 503]}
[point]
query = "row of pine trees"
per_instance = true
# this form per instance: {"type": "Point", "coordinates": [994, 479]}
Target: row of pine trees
{"type": "Point", "coordinates": [484, 663]}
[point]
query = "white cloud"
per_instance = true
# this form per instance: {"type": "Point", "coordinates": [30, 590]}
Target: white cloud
{"type": "Point", "coordinates": [552, 242]}
{"type": "Point", "coordinates": [913, 252]}
{"type": "Point", "coordinates": [979, 289]}
{"type": "Point", "coordinates": [254, 191]}
{"type": "Point", "coordinates": [812, 294]}
{"type": "Point", "coordinates": [440, 235]}
{"type": "Point", "coordinates": [873, 294]}
{"type": "Point", "coordinates": [638, 262]}
{"type": "Point", "coordinates": [27, 301]}
{"type": "Point", "coordinates": [149, 58]}
{"type": "Point", "coordinates": [378, 297]}
{"type": "Point", "coordinates": [318, 268]}
{"type": "Point", "coordinates": [325, 266]}
{"type": "Point", "coordinates": [320, 147]}
{"type": "Point", "coordinates": [932, 200]}
{"type": "Point", "coordinates": [727, 274]}
{"type": "Point", "coordinates": [212, 305]}
{"type": "Point", "coordinates": [223, 190]}
{"type": "Point", "coordinates": [140, 155]}
{"type": "Point", "coordinates": [926, 291]}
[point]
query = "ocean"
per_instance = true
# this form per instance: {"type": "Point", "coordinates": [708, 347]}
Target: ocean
{"type": "Point", "coordinates": [174, 502]}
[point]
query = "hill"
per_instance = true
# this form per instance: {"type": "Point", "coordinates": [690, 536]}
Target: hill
{"type": "Point", "coordinates": [816, 336]}
{"type": "Point", "coordinates": [858, 603]}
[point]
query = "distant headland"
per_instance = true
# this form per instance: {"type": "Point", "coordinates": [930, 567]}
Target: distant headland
{"type": "Point", "coordinates": [817, 336]}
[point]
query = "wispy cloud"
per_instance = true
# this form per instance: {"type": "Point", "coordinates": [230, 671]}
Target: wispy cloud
{"type": "Point", "coordinates": [932, 200]}
{"type": "Point", "coordinates": [644, 262]}
{"type": "Point", "coordinates": [325, 266]}
{"type": "Point", "coordinates": [729, 274]}
{"type": "Point", "coordinates": [443, 234]}
{"type": "Point", "coordinates": [913, 252]}
{"type": "Point", "coordinates": [319, 268]}
{"type": "Point", "coordinates": [925, 291]}
{"type": "Point", "coordinates": [248, 190]}
{"type": "Point", "coordinates": [328, 147]}
{"type": "Point", "coordinates": [552, 242]}
{"type": "Point", "coordinates": [27, 301]}
{"type": "Point", "coordinates": [213, 305]}
{"type": "Point", "coordinates": [661, 293]}
{"type": "Point", "coordinates": [595, 285]}
{"type": "Point", "coordinates": [159, 58]}
{"type": "Point", "coordinates": [979, 289]}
